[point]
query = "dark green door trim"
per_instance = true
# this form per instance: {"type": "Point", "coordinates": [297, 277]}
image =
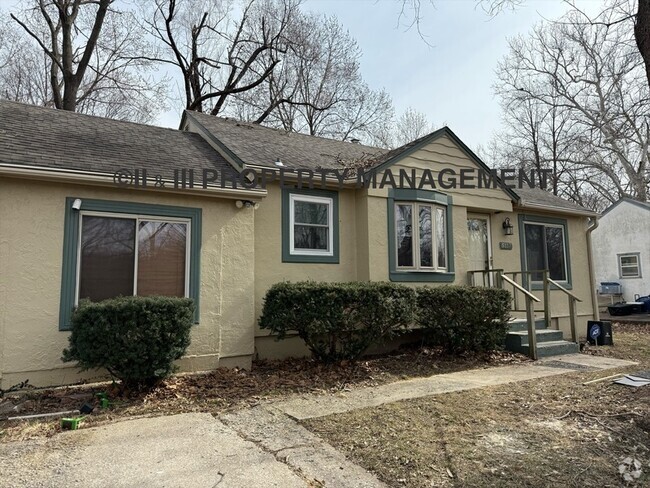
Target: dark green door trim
{"type": "Point", "coordinates": [71, 244]}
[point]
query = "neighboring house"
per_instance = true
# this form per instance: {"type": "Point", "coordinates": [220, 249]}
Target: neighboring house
{"type": "Point", "coordinates": [68, 231]}
{"type": "Point", "coordinates": [622, 247]}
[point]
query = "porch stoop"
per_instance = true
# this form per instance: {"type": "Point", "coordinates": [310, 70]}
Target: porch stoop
{"type": "Point", "coordinates": [550, 342]}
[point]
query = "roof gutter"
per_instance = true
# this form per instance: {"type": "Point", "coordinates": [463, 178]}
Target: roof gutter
{"type": "Point", "coordinates": [108, 179]}
{"type": "Point", "coordinates": [590, 261]}
{"type": "Point", "coordinates": [551, 208]}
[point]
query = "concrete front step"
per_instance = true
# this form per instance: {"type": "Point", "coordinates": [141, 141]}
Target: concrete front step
{"type": "Point", "coordinates": [517, 339]}
{"type": "Point", "coordinates": [550, 348]}
{"type": "Point", "coordinates": [519, 325]}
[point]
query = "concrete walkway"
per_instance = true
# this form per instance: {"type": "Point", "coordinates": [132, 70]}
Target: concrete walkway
{"type": "Point", "coordinates": [257, 447]}
{"type": "Point", "coordinates": [309, 406]}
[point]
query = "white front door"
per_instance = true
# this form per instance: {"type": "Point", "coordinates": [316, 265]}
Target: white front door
{"type": "Point", "coordinates": [478, 231]}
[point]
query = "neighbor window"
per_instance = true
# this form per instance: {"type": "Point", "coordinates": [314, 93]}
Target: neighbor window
{"type": "Point", "coordinates": [628, 266]}
{"type": "Point", "coordinates": [310, 226]}
{"type": "Point", "coordinates": [545, 248]}
{"type": "Point", "coordinates": [121, 255]}
{"type": "Point", "coordinates": [420, 236]}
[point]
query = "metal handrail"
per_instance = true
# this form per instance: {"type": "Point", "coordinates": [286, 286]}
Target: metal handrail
{"type": "Point", "coordinates": [573, 314]}
{"type": "Point", "coordinates": [560, 287]}
{"type": "Point", "coordinates": [520, 288]}
{"type": "Point", "coordinates": [530, 314]}
{"type": "Point", "coordinates": [502, 276]}
{"type": "Point", "coordinates": [484, 273]}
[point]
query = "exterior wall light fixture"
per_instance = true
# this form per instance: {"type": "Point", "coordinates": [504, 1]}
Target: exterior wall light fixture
{"type": "Point", "coordinates": [247, 204]}
{"type": "Point", "coordinates": [508, 228]}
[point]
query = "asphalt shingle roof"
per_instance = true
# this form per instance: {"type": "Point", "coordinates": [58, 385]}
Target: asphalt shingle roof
{"type": "Point", "coordinates": [262, 146]}
{"type": "Point", "coordinates": [49, 138]}
{"type": "Point", "coordinates": [537, 196]}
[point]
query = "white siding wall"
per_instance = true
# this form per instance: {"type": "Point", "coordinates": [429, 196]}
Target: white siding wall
{"type": "Point", "coordinates": [624, 229]}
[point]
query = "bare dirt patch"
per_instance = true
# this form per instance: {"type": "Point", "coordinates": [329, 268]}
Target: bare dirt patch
{"type": "Point", "coordinates": [227, 389]}
{"type": "Point", "coordinates": [549, 432]}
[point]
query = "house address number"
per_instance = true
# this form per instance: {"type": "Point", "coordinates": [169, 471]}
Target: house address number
{"type": "Point", "coordinates": [506, 246]}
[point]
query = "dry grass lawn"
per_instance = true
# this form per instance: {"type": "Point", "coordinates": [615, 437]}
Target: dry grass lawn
{"type": "Point", "coordinates": [549, 432]}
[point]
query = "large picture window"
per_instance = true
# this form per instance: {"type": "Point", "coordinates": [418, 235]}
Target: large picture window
{"type": "Point", "coordinates": [113, 248]}
{"type": "Point", "coordinates": [420, 236]}
{"type": "Point", "coordinates": [545, 248]}
{"type": "Point", "coordinates": [132, 255]}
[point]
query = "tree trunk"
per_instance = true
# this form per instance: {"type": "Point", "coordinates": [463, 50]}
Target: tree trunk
{"type": "Point", "coordinates": [642, 34]}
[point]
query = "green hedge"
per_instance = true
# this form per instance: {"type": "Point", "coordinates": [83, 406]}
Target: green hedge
{"type": "Point", "coordinates": [136, 339]}
{"type": "Point", "coordinates": [338, 320]}
{"type": "Point", "coordinates": [463, 318]}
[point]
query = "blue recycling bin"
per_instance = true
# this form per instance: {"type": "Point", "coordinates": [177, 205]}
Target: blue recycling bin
{"type": "Point", "coordinates": [645, 301]}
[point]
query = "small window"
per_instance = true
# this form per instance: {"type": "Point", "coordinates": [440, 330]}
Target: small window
{"type": "Point", "coordinates": [121, 255]}
{"type": "Point", "coordinates": [421, 237]}
{"type": "Point", "coordinates": [629, 266]}
{"type": "Point", "coordinates": [546, 249]}
{"type": "Point", "coordinates": [310, 226]}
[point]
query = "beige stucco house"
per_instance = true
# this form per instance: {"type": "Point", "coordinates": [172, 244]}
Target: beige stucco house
{"type": "Point", "coordinates": [82, 197]}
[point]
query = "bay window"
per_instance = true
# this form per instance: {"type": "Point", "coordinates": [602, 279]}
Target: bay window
{"type": "Point", "coordinates": [420, 233]}
{"type": "Point", "coordinates": [420, 243]}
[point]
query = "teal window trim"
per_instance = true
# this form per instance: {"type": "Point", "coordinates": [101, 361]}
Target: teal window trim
{"type": "Point", "coordinates": [538, 219]}
{"type": "Point", "coordinates": [287, 256]}
{"type": "Point", "coordinates": [413, 195]}
{"type": "Point", "coordinates": [71, 245]}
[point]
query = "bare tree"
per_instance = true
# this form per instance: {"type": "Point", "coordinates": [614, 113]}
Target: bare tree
{"type": "Point", "coordinates": [317, 87]}
{"type": "Point", "coordinates": [638, 18]}
{"type": "Point", "coordinates": [409, 126]}
{"type": "Point", "coordinates": [218, 53]}
{"type": "Point", "coordinates": [576, 97]}
{"type": "Point", "coordinates": [79, 55]}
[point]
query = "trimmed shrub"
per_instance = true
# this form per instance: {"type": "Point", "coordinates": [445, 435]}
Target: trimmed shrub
{"type": "Point", "coordinates": [463, 318]}
{"type": "Point", "coordinates": [338, 320]}
{"type": "Point", "coordinates": [136, 339]}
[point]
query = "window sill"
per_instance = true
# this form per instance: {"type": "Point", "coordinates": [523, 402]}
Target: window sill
{"type": "Point", "coordinates": [422, 276]}
{"type": "Point", "coordinates": [309, 258]}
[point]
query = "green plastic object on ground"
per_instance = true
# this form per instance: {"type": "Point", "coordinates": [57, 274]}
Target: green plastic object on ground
{"type": "Point", "coordinates": [71, 423]}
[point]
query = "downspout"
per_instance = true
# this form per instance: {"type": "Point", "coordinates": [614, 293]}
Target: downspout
{"type": "Point", "coordinates": [590, 261]}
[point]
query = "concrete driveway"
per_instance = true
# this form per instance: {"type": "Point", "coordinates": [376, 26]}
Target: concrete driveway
{"type": "Point", "coordinates": [188, 450]}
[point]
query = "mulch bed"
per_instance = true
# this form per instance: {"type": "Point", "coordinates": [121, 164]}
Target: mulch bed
{"type": "Point", "coordinates": [227, 389]}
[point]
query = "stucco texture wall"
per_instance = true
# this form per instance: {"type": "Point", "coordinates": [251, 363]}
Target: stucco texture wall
{"type": "Point", "coordinates": [625, 229]}
{"type": "Point", "coordinates": [270, 269]}
{"type": "Point", "coordinates": [31, 248]}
